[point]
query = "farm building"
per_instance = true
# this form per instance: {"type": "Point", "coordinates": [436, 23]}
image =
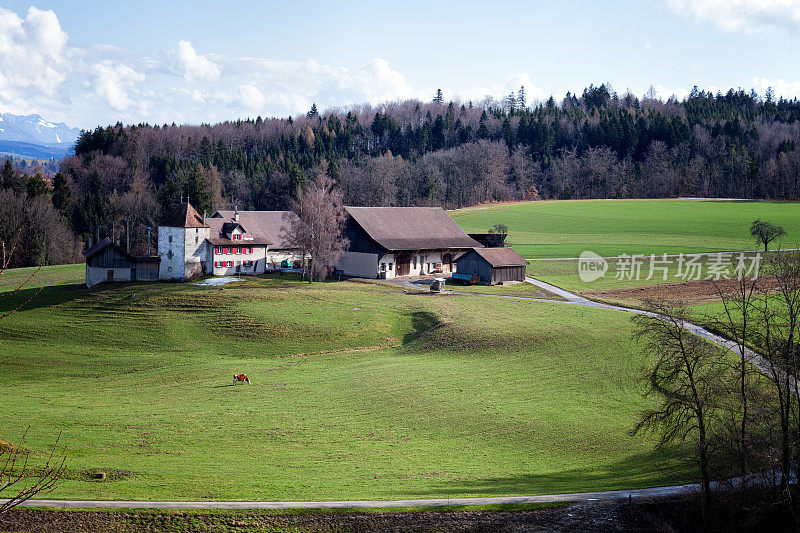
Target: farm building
{"type": "Point", "coordinates": [270, 226]}
{"type": "Point", "coordinates": [108, 262]}
{"type": "Point", "coordinates": [182, 243]}
{"type": "Point", "coordinates": [493, 265]}
{"type": "Point", "coordinates": [387, 242]}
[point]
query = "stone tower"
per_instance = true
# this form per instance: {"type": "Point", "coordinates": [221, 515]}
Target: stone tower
{"type": "Point", "coordinates": [182, 244]}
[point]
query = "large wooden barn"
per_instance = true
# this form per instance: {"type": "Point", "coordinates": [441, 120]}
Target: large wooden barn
{"type": "Point", "coordinates": [493, 265]}
{"type": "Point", "coordinates": [387, 242]}
{"type": "Point", "coordinates": [106, 261]}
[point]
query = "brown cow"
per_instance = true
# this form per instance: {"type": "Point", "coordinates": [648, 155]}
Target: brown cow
{"type": "Point", "coordinates": [241, 378]}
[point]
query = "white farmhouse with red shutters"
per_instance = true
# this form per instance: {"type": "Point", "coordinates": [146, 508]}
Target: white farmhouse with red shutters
{"type": "Point", "coordinates": [236, 247]}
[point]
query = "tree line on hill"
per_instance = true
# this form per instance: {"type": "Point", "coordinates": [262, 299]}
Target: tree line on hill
{"type": "Point", "coordinates": [596, 145]}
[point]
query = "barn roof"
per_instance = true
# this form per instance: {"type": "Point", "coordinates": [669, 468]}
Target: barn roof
{"type": "Point", "coordinates": [184, 216]}
{"type": "Point", "coordinates": [501, 257]}
{"type": "Point", "coordinates": [270, 225]}
{"type": "Point", "coordinates": [103, 244]}
{"type": "Point", "coordinates": [100, 246]}
{"type": "Point", "coordinates": [411, 228]}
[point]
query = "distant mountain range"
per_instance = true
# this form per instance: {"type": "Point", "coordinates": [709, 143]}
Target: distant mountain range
{"type": "Point", "coordinates": [31, 136]}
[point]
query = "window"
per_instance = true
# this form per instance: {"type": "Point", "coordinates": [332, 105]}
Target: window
{"type": "Point", "coordinates": [390, 266]}
{"type": "Point", "coordinates": [247, 263]}
{"type": "Point", "coordinates": [237, 250]}
{"type": "Point", "coordinates": [250, 250]}
{"type": "Point", "coordinates": [225, 250]}
{"type": "Point", "coordinates": [237, 236]}
{"type": "Point", "coordinates": [217, 250]}
{"type": "Point", "coordinates": [415, 261]}
{"type": "Point", "coordinates": [383, 267]}
{"type": "Point", "coordinates": [170, 238]}
{"type": "Point", "coordinates": [196, 240]}
{"type": "Point", "coordinates": [230, 263]}
{"type": "Point", "coordinates": [169, 254]}
{"type": "Point", "coordinates": [169, 269]}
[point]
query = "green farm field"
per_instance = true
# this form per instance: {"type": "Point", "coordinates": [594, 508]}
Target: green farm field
{"type": "Point", "coordinates": [358, 391]}
{"type": "Point", "coordinates": [565, 228]}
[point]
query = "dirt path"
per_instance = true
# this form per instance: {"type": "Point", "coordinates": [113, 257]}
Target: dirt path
{"type": "Point", "coordinates": [365, 504]}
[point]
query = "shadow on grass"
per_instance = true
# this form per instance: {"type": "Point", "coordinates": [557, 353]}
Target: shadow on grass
{"type": "Point", "coordinates": [421, 322]}
{"type": "Point", "coordinates": [671, 466]}
{"type": "Point", "coordinates": [27, 298]}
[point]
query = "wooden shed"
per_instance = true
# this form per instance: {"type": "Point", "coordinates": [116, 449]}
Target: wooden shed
{"type": "Point", "coordinates": [493, 265]}
{"type": "Point", "coordinates": [108, 262]}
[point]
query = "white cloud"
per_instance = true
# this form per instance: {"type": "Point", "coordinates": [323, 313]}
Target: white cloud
{"type": "Point", "coordinates": [780, 87]}
{"type": "Point", "coordinates": [33, 54]}
{"type": "Point", "coordinates": [193, 66]}
{"type": "Point", "coordinates": [113, 83]}
{"type": "Point", "coordinates": [647, 46]}
{"type": "Point", "coordinates": [251, 98]}
{"type": "Point", "coordinates": [748, 16]}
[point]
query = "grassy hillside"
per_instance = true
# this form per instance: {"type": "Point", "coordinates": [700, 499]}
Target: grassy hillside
{"type": "Point", "coordinates": [613, 227]}
{"type": "Point", "coordinates": [359, 391]}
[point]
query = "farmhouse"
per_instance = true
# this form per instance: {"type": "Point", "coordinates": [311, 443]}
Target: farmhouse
{"type": "Point", "coordinates": [493, 265]}
{"type": "Point", "coordinates": [387, 242]}
{"type": "Point", "coordinates": [108, 262]}
{"type": "Point", "coordinates": [271, 226]}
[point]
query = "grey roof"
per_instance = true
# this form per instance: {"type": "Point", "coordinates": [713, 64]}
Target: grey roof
{"type": "Point", "coordinates": [266, 226]}
{"type": "Point", "coordinates": [411, 228]}
{"type": "Point", "coordinates": [500, 257]}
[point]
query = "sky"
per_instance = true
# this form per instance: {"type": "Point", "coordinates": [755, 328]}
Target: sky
{"type": "Point", "coordinates": [90, 63]}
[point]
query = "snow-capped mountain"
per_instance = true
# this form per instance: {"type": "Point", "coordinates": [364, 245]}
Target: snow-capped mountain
{"type": "Point", "coordinates": [35, 129]}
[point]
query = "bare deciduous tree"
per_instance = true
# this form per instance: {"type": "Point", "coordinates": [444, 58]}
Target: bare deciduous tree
{"type": "Point", "coordinates": [686, 377]}
{"type": "Point", "coordinates": [317, 228]}
{"type": "Point", "coordinates": [25, 480]}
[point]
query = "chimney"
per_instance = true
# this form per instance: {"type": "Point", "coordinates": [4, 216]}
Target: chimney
{"type": "Point", "coordinates": [236, 213]}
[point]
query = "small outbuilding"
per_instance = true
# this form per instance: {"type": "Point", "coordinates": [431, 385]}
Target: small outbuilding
{"type": "Point", "coordinates": [106, 261]}
{"type": "Point", "coordinates": [493, 265]}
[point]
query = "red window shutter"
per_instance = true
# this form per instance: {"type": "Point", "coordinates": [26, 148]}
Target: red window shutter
{"type": "Point", "coordinates": [251, 249]}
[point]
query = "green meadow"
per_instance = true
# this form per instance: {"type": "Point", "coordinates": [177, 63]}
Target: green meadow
{"type": "Point", "coordinates": [565, 228]}
{"type": "Point", "coordinates": [359, 390]}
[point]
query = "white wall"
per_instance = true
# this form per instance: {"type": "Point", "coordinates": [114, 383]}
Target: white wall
{"type": "Point", "coordinates": [259, 265]}
{"type": "Point", "coordinates": [171, 267]}
{"type": "Point", "coordinates": [95, 275]}
{"type": "Point", "coordinates": [358, 264]}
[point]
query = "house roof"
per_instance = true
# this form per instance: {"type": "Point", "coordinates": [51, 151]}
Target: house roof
{"type": "Point", "coordinates": [184, 216]}
{"type": "Point", "coordinates": [271, 226]}
{"type": "Point", "coordinates": [500, 257]}
{"type": "Point", "coordinates": [411, 228]}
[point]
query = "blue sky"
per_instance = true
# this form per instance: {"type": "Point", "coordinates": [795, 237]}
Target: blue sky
{"type": "Point", "coordinates": [89, 63]}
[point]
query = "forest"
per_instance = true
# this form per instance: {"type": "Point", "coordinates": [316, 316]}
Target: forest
{"type": "Point", "coordinates": [595, 145]}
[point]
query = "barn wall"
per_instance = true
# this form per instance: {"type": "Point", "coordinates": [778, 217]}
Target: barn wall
{"type": "Point", "coordinates": [472, 263]}
{"type": "Point", "coordinates": [508, 274]}
{"type": "Point", "coordinates": [95, 275]}
{"type": "Point", "coordinates": [147, 271]}
{"type": "Point", "coordinates": [362, 265]}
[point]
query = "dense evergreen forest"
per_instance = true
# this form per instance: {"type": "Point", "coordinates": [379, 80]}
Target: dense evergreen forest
{"type": "Point", "coordinates": [596, 145]}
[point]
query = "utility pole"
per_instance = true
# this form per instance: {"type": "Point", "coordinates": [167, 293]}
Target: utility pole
{"type": "Point", "coordinates": [148, 240]}
{"type": "Point", "coordinates": [128, 235]}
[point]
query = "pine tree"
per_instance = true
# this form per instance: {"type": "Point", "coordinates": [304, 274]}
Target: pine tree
{"type": "Point", "coordinates": [439, 98]}
{"type": "Point", "coordinates": [7, 175]}
{"type": "Point", "coordinates": [521, 97]}
{"type": "Point", "coordinates": [62, 195]}
{"type": "Point", "coordinates": [313, 112]}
